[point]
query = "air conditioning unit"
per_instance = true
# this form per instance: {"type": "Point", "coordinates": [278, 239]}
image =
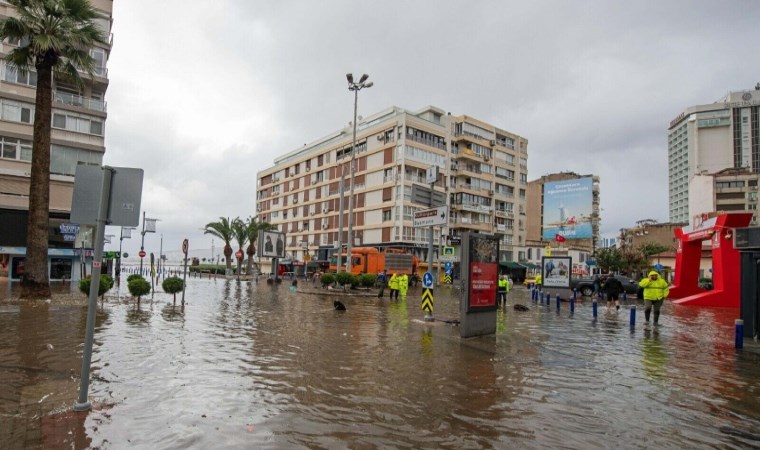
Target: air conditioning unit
{"type": "Point", "coordinates": [380, 137]}
{"type": "Point", "coordinates": [308, 169]}
{"type": "Point", "coordinates": [486, 158]}
{"type": "Point", "coordinates": [295, 200]}
{"type": "Point", "coordinates": [490, 192]}
{"type": "Point", "coordinates": [325, 210]}
{"type": "Point", "coordinates": [312, 213]}
{"type": "Point", "coordinates": [300, 229]}
{"type": "Point", "coordinates": [324, 226]}
{"type": "Point", "coordinates": [754, 188]}
{"type": "Point", "coordinates": [493, 143]}
{"type": "Point", "coordinates": [275, 179]}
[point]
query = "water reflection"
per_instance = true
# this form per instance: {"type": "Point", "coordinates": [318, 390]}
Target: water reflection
{"type": "Point", "coordinates": [246, 365]}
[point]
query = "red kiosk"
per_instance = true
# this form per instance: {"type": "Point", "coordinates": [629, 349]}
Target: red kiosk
{"type": "Point", "coordinates": [726, 290]}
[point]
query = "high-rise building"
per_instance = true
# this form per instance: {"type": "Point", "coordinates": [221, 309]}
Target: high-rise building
{"type": "Point", "coordinates": [78, 128]}
{"type": "Point", "coordinates": [483, 174]}
{"type": "Point", "coordinates": [705, 139]}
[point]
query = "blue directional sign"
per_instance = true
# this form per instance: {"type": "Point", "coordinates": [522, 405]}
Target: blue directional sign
{"type": "Point", "coordinates": [447, 267]}
{"type": "Point", "coordinates": [658, 267]}
{"type": "Point", "coordinates": [427, 280]}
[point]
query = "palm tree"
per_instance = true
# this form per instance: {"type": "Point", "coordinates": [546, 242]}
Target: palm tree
{"type": "Point", "coordinates": [254, 226]}
{"type": "Point", "coordinates": [240, 232]}
{"type": "Point", "coordinates": [55, 38]}
{"type": "Point", "coordinates": [222, 230]}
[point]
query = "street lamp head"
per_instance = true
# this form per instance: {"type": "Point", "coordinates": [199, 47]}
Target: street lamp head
{"type": "Point", "coordinates": [350, 78]}
{"type": "Point", "coordinates": [363, 78]}
{"type": "Point", "coordinates": [369, 85]}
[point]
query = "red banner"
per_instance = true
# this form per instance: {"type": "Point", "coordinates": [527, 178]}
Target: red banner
{"type": "Point", "coordinates": [559, 238]}
{"type": "Point", "coordinates": [483, 278]}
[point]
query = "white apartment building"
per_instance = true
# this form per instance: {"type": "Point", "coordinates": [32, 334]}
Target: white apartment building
{"type": "Point", "coordinates": [483, 180]}
{"type": "Point", "coordinates": [78, 122]}
{"type": "Point", "coordinates": [704, 140]}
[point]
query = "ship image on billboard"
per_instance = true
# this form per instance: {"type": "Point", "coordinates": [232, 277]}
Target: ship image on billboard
{"type": "Point", "coordinates": [567, 209]}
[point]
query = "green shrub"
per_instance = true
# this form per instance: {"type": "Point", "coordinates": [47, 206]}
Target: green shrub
{"type": "Point", "coordinates": [327, 279]}
{"type": "Point", "coordinates": [172, 285]}
{"type": "Point", "coordinates": [344, 278]}
{"type": "Point", "coordinates": [106, 283]}
{"type": "Point", "coordinates": [134, 276]}
{"type": "Point", "coordinates": [368, 280]}
{"type": "Point", "coordinates": [138, 287]}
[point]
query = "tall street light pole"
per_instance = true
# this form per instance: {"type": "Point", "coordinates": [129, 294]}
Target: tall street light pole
{"type": "Point", "coordinates": [355, 87]}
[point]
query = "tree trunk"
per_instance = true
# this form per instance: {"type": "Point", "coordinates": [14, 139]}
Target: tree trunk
{"type": "Point", "coordinates": [250, 251]}
{"type": "Point", "coordinates": [35, 283]}
{"type": "Point", "coordinates": [228, 256]}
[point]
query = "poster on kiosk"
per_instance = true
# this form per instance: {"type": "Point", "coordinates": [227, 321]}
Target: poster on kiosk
{"type": "Point", "coordinates": [483, 273]}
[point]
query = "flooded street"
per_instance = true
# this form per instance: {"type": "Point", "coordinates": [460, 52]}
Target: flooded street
{"type": "Point", "coordinates": [246, 365]}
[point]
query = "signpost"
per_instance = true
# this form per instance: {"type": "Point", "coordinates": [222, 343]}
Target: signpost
{"type": "Point", "coordinates": [102, 196]}
{"type": "Point", "coordinates": [431, 217]}
{"type": "Point", "coordinates": [185, 248]}
{"type": "Point", "coordinates": [427, 296]}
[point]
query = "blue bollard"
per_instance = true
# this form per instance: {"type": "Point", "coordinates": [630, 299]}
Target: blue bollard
{"type": "Point", "coordinates": [633, 316]}
{"type": "Point", "coordinates": [548, 299]}
{"type": "Point", "coordinates": [541, 297]}
{"type": "Point", "coordinates": [557, 302]}
{"type": "Point", "coordinates": [739, 330]}
{"type": "Point", "coordinates": [595, 309]}
{"type": "Point", "coordinates": [572, 304]}
{"type": "Point", "coordinates": [534, 296]}
{"type": "Point", "coordinates": [574, 294]}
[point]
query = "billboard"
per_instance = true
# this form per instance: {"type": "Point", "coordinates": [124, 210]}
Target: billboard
{"type": "Point", "coordinates": [484, 272]}
{"type": "Point", "coordinates": [271, 244]}
{"type": "Point", "coordinates": [556, 271]}
{"type": "Point", "coordinates": [567, 209]}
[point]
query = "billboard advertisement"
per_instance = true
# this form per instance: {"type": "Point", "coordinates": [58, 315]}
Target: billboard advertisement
{"type": "Point", "coordinates": [556, 271]}
{"type": "Point", "coordinates": [567, 209]}
{"type": "Point", "coordinates": [271, 244]}
{"type": "Point", "coordinates": [484, 272]}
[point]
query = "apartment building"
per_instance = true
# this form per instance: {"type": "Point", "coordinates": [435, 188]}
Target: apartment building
{"type": "Point", "coordinates": [706, 139]}
{"type": "Point", "coordinates": [78, 122]}
{"type": "Point", "coordinates": [483, 173]}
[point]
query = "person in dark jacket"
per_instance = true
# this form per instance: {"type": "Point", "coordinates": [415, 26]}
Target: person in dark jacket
{"type": "Point", "coordinates": [612, 289]}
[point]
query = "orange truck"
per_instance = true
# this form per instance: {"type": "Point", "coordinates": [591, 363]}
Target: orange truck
{"type": "Point", "coordinates": [372, 260]}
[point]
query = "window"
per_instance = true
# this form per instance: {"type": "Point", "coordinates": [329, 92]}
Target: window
{"type": "Point", "coordinates": [18, 149]}
{"type": "Point", "coordinates": [387, 216]}
{"type": "Point", "coordinates": [78, 123]}
{"type": "Point", "coordinates": [14, 75]}
{"type": "Point", "coordinates": [99, 55]}
{"type": "Point", "coordinates": [64, 160]}
{"type": "Point", "coordinates": [16, 111]}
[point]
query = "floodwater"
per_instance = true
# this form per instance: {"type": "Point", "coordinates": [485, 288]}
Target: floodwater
{"type": "Point", "coordinates": [246, 365]}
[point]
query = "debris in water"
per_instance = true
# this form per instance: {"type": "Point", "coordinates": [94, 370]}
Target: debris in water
{"type": "Point", "coordinates": [49, 346]}
{"type": "Point", "coordinates": [43, 398]}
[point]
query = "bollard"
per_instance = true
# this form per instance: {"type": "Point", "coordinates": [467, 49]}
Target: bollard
{"type": "Point", "coordinates": [572, 304]}
{"type": "Point", "coordinates": [595, 308]}
{"type": "Point", "coordinates": [574, 294]}
{"type": "Point", "coordinates": [633, 316]}
{"type": "Point", "coordinates": [625, 296]}
{"type": "Point", "coordinates": [739, 330]}
{"type": "Point", "coordinates": [533, 296]}
{"type": "Point", "coordinates": [557, 302]}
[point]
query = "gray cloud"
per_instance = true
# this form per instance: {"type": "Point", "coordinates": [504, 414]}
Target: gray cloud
{"type": "Point", "coordinates": [203, 95]}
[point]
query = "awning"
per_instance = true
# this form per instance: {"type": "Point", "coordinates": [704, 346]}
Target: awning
{"type": "Point", "coordinates": [531, 265]}
{"type": "Point", "coordinates": [511, 265]}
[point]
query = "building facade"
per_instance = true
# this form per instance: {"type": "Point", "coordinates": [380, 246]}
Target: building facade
{"type": "Point", "coordinates": [728, 190]}
{"type": "Point", "coordinates": [482, 179]}
{"type": "Point", "coordinates": [78, 130]}
{"type": "Point", "coordinates": [705, 139]}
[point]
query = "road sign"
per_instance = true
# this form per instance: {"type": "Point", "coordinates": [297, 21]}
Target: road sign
{"type": "Point", "coordinates": [432, 175]}
{"type": "Point", "coordinates": [448, 251]}
{"type": "Point", "coordinates": [96, 264]}
{"type": "Point", "coordinates": [427, 300]}
{"type": "Point", "coordinates": [427, 280]}
{"type": "Point", "coordinates": [658, 267]}
{"type": "Point", "coordinates": [142, 253]}
{"type": "Point", "coordinates": [185, 245]}
{"type": "Point", "coordinates": [431, 217]}
{"type": "Point", "coordinates": [447, 267]}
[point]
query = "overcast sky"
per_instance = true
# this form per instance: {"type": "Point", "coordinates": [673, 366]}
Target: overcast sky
{"type": "Point", "coordinates": [203, 94]}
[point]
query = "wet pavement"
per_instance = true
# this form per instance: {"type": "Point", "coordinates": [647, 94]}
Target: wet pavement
{"type": "Point", "coordinates": [246, 365]}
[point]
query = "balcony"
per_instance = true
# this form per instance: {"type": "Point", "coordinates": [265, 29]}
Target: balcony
{"type": "Point", "coordinates": [467, 154]}
{"type": "Point", "coordinates": [429, 142]}
{"type": "Point", "coordinates": [65, 98]}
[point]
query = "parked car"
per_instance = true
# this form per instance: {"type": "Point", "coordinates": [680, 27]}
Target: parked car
{"type": "Point", "coordinates": [586, 285]}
